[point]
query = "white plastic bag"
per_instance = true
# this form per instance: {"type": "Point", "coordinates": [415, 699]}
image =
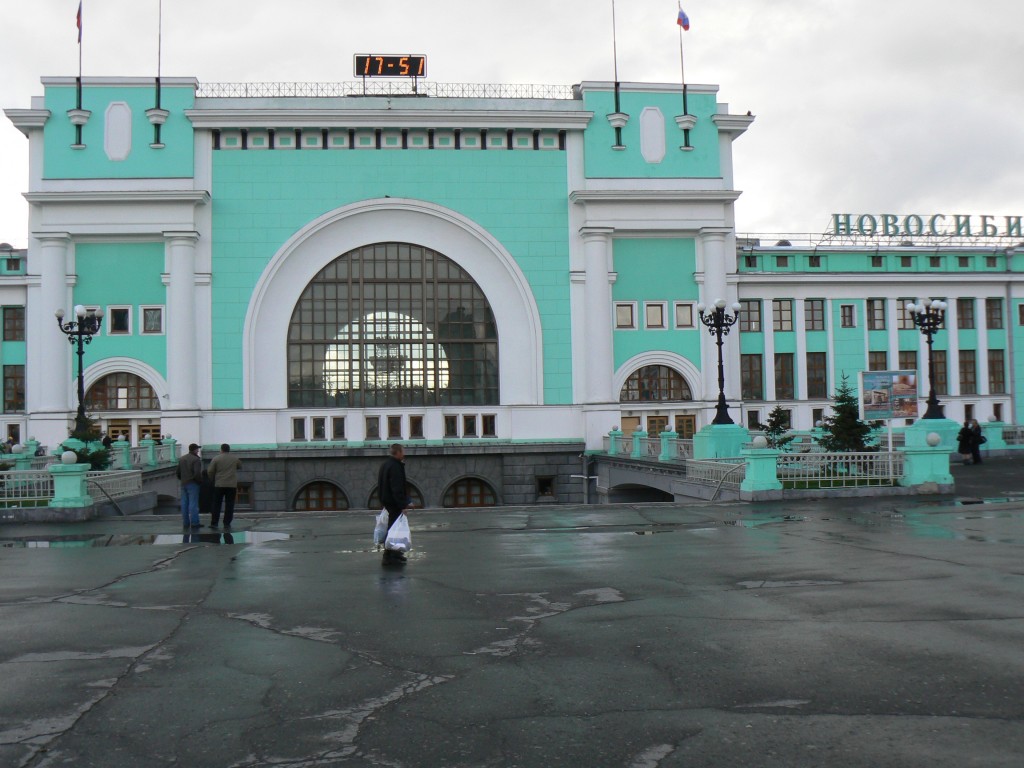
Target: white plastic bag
{"type": "Point", "coordinates": [399, 538]}
{"type": "Point", "coordinates": [380, 529]}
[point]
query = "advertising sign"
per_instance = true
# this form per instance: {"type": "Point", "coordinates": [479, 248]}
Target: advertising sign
{"type": "Point", "coordinates": [886, 395]}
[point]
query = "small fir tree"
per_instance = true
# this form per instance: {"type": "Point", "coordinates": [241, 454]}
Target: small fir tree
{"type": "Point", "coordinates": [776, 429]}
{"type": "Point", "coordinates": [843, 430]}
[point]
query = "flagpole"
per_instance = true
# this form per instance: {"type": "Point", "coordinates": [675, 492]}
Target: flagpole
{"type": "Point", "coordinates": [159, 47]}
{"type": "Point", "coordinates": [78, 82]}
{"type": "Point", "coordinates": [682, 75]}
{"type": "Point", "coordinates": [615, 62]}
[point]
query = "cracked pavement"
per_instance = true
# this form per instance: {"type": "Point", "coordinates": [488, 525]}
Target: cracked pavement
{"type": "Point", "coordinates": [881, 632]}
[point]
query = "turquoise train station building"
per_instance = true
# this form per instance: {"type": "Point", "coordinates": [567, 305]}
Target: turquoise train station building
{"type": "Point", "coordinates": [496, 275]}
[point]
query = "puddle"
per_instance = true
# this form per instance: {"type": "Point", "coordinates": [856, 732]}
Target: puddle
{"type": "Point", "coordinates": [89, 540]}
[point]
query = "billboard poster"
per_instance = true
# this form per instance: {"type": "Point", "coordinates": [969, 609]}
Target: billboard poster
{"type": "Point", "coordinates": [886, 395]}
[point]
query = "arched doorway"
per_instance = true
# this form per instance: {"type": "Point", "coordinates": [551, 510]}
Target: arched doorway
{"type": "Point", "coordinates": [656, 394]}
{"type": "Point", "coordinates": [320, 496]}
{"type": "Point", "coordinates": [126, 405]}
{"type": "Point", "coordinates": [392, 324]}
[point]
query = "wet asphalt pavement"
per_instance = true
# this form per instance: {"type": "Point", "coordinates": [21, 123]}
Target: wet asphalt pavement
{"type": "Point", "coordinates": [874, 632]}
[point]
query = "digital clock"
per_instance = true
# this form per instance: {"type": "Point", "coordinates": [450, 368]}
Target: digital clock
{"type": "Point", "coordinates": [390, 65]}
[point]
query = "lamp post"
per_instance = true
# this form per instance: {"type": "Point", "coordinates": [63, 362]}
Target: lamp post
{"type": "Point", "coordinates": [928, 317]}
{"type": "Point", "coordinates": [718, 324]}
{"type": "Point", "coordinates": [80, 333]}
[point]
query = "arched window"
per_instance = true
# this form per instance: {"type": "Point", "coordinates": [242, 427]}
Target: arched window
{"type": "Point", "coordinates": [321, 496]}
{"type": "Point", "coordinates": [470, 492]}
{"type": "Point", "coordinates": [121, 392]}
{"type": "Point", "coordinates": [654, 383]}
{"type": "Point", "coordinates": [392, 324]}
{"type": "Point", "coordinates": [412, 490]}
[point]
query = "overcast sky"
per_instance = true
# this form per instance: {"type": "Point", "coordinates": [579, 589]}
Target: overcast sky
{"type": "Point", "coordinates": [894, 106]}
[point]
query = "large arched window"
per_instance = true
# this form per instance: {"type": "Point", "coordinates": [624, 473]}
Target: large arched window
{"type": "Point", "coordinates": [412, 490]}
{"type": "Point", "coordinates": [392, 324]}
{"type": "Point", "coordinates": [655, 383]}
{"type": "Point", "coordinates": [321, 496]}
{"type": "Point", "coordinates": [121, 392]}
{"type": "Point", "coordinates": [470, 492]}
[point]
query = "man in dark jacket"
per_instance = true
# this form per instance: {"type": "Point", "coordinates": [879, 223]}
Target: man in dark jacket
{"type": "Point", "coordinates": [190, 473]}
{"type": "Point", "coordinates": [393, 495]}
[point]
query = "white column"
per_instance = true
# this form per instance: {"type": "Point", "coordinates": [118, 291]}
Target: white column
{"type": "Point", "coordinates": [716, 265]}
{"type": "Point", "coordinates": [800, 363]}
{"type": "Point", "coordinates": [982, 353]}
{"type": "Point", "coordinates": [181, 320]}
{"type": "Point", "coordinates": [600, 361]}
{"type": "Point", "coordinates": [48, 372]}
{"type": "Point", "coordinates": [952, 349]}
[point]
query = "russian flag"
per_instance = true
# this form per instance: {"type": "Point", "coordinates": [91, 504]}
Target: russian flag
{"type": "Point", "coordinates": [78, 20]}
{"type": "Point", "coordinates": [683, 20]}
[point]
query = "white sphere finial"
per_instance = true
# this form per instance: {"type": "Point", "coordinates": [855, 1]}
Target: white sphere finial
{"type": "Point", "coordinates": [933, 439]}
{"type": "Point", "coordinates": [69, 457]}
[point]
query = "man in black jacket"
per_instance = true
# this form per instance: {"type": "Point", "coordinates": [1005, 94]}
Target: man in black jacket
{"type": "Point", "coordinates": [393, 495]}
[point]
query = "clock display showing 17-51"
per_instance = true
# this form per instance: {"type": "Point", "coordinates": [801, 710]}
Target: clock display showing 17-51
{"type": "Point", "coordinates": [390, 65]}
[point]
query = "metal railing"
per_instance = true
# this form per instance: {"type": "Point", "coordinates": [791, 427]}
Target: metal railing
{"type": "Point", "coordinates": [166, 454]}
{"type": "Point", "coordinates": [625, 446]}
{"type": "Point", "coordinates": [840, 470]}
{"type": "Point", "coordinates": [724, 472]}
{"type": "Point", "coordinates": [403, 87]}
{"type": "Point", "coordinates": [26, 488]}
{"type": "Point", "coordinates": [116, 484]}
{"type": "Point", "coordinates": [1013, 435]}
{"type": "Point", "coordinates": [684, 449]}
{"type": "Point", "coordinates": [42, 462]}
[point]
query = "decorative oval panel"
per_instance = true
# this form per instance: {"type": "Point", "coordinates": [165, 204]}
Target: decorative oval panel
{"type": "Point", "coordinates": [652, 135]}
{"type": "Point", "coordinates": [117, 133]}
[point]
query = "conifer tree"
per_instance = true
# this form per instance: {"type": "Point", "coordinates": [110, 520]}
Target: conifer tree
{"type": "Point", "coordinates": [843, 430]}
{"type": "Point", "coordinates": [776, 429]}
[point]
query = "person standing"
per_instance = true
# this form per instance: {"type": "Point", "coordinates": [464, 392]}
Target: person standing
{"type": "Point", "coordinates": [977, 439]}
{"type": "Point", "coordinates": [190, 473]}
{"type": "Point", "coordinates": [393, 494]}
{"type": "Point", "coordinates": [223, 472]}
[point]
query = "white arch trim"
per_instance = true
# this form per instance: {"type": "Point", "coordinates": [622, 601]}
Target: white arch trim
{"type": "Point", "coordinates": [109, 365]}
{"type": "Point", "coordinates": [686, 369]}
{"type": "Point", "coordinates": [521, 343]}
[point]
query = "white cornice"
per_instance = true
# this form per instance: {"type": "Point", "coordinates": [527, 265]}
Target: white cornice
{"type": "Point", "coordinates": [582, 197]}
{"type": "Point", "coordinates": [130, 82]}
{"type": "Point", "coordinates": [732, 124]}
{"type": "Point", "coordinates": [607, 85]}
{"type": "Point", "coordinates": [886, 278]}
{"type": "Point", "coordinates": [27, 119]}
{"type": "Point", "coordinates": [388, 118]}
{"type": "Point", "coordinates": [195, 197]}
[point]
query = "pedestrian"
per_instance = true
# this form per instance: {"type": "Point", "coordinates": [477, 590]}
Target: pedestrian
{"type": "Point", "coordinates": [964, 442]}
{"type": "Point", "coordinates": [393, 493]}
{"type": "Point", "coordinates": [977, 440]}
{"type": "Point", "coordinates": [205, 495]}
{"type": "Point", "coordinates": [190, 473]}
{"type": "Point", "coordinates": [107, 442]}
{"type": "Point", "coordinates": [223, 471]}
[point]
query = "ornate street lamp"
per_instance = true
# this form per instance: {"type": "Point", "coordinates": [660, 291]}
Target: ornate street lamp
{"type": "Point", "coordinates": [928, 317]}
{"type": "Point", "coordinates": [718, 324]}
{"type": "Point", "coordinates": [80, 333]}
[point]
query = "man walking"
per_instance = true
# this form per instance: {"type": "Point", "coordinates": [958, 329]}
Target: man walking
{"type": "Point", "coordinates": [223, 473]}
{"type": "Point", "coordinates": [393, 496]}
{"type": "Point", "coordinates": [190, 473]}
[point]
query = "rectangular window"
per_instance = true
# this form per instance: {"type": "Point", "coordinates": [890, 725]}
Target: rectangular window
{"type": "Point", "coordinates": [878, 361]}
{"type": "Point", "coordinates": [993, 314]}
{"type": "Point", "coordinates": [685, 315]}
{"type": "Point", "coordinates": [152, 320]}
{"type": "Point", "coordinates": [935, 262]}
{"type": "Point", "coordinates": [686, 426]}
{"type": "Point", "coordinates": [782, 314]}
{"type": "Point", "coordinates": [416, 427]}
{"type": "Point", "coordinates": [876, 314]}
{"type": "Point", "coordinates": [1020, 314]}
{"type": "Point", "coordinates": [654, 315]}
{"type": "Point", "coordinates": [394, 427]}
{"type": "Point", "coordinates": [119, 321]}
{"type": "Point", "coordinates": [14, 323]}
{"type": "Point", "coordinates": [941, 380]}
{"type": "Point", "coordinates": [373, 427]}
{"type": "Point", "coordinates": [908, 360]}
{"type": "Point", "coordinates": [782, 262]}
{"type": "Point", "coordinates": [817, 416]}
{"type": "Point", "coordinates": [876, 262]}
{"type": "Point", "coordinates": [969, 411]}
{"type": "Point", "coordinates": [243, 496]}
{"type": "Point", "coordinates": [817, 375]}
{"type": "Point", "coordinates": [751, 377]}
{"type": "Point", "coordinates": [814, 315]}
{"type": "Point", "coordinates": [451, 425]}
{"type": "Point", "coordinates": [847, 316]}
{"type": "Point", "coordinates": [996, 372]}
{"type": "Point", "coordinates": [964, 261]}
{"type": "Point", "coordinates": [997, 411]}
{"type": "Point", "coordinates": [298, 429]}
{"type": "Point", "coordinates": [338, 428]}
{"type": "Point", "coordinates": [750, 260]}
{"type": "Point", "coordinates": [14, 388]}
{"type": "Point", "coordinates": [469, 426]}
{"type": "Point", "coordinates": [904, 318]}
{"type": "Point", "coordinates": [784, 376]}
{"type": "Point", "coordinates": [991, 262]}
{"type": "Point", "coordinates": [968, 372]}
{"type": "Point", "coordinates": [754, 421]}
{"type": "Point", "coordinates": [625, 315]}
{"type": "Point", "coordinates": [906, 261]}
{"type": "Point", "coordinates": [488, 423]}
{"type": "Point", "coordinates": [319, 428]}
{"type": "Point", "coordinates": [814, 261]}
{"type": "Point", "coordinates": [750, 315]}
{"type": "Point", "coordinates": [965, 313]}
{"type": "Point", "coordinates": [656, 425]}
